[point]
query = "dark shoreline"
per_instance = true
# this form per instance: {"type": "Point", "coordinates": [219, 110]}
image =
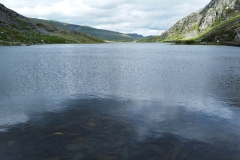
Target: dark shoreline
{"type": "Point", "coordinates": [231, 44]}
{"type": "Point", "coordinates": [235, 44]}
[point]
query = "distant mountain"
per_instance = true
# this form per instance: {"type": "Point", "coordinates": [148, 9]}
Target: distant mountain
{"type": "Point", "coordinates": [149, 36]}
{"type": "Point", "coordinates": [100, 33]}
{"type": "Point", "coordinates": [219, 21]}
{"type": "Point", "coordinates": [135, 35]}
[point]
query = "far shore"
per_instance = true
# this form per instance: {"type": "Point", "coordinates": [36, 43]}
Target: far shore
{"type": "Point", "coordinates": [236, 44]}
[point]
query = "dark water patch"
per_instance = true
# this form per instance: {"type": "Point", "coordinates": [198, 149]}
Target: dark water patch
{"type": "Point", "coordinates": [99, 129]}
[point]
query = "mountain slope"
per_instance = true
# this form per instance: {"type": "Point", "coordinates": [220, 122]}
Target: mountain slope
{"type": "Point", "coordinates": [218, 21]}
{"type": "Point", "coordinates": [16, 29]}
{"type": "Point", "coordinates": [135, 35]}
{"type": "Point", "coordinates": [100, 33]}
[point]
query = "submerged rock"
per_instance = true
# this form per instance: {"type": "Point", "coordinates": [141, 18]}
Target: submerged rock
{"type": "Point", "coordinates": [78, 156]}
{"type": "Point", "coordinates": [74, 134]}
{"type": "Point", "coordinates": [74, 147]}
{"type": "Point", "coordinates": [11, 143]}
{"type": "Point", "coordinates": [104, 157]}
{"type": "Point", "coordinates": [91, 124]}
{"type": "Point", "coordinates": [77, 140]}
{"type": "Point", "coordinates": [156, 148]}
{"type": "Point", "coordinates": [53, 158]}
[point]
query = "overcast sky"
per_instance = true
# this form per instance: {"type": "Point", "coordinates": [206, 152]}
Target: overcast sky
{"type": "Point", "coordinates": [146, 17]}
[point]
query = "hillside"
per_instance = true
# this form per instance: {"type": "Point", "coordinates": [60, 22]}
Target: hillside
{"type": "Point", "coordinates": [135, 35]}
{"type": "Point", "coordinates": [16, 29]}
{"type": "Point", "coordinates": [100, 33]}
{"type": "Point", "coordinates": [217, 22]}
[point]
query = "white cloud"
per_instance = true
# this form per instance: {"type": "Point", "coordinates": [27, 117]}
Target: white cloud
{"type": "Point", "coordinates": [136, 16]}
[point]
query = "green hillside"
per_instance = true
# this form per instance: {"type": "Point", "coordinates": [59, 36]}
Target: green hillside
{"type": "Point", "coordinates": [100, 33]}
{"type": "Point", "coordinates": [16, 29]}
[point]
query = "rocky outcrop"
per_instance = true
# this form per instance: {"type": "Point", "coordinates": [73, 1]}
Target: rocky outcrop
{"type": "Point", "coordinates": [216, 9]}
{"type": "Point", "coordinates": [216, 15]}
{"type": "Point", "coordinates": [184, 27]}
{"type": "Point", "coordinates": [12, 20]}
{"type": "Point", "coordinates": [237, 36]}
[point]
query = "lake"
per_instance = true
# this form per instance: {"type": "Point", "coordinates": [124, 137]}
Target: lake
{"type": "Point", "coordinates": [120, 101]}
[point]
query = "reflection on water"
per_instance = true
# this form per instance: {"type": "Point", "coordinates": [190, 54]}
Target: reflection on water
{"type": "Point", "coordinates": [120, 101]}
{"type": "Point", "coordinates": [103, 128]}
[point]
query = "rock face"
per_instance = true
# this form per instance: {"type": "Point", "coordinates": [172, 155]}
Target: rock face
{"type": "Point", "coordinates": [216, 15]}
{"type": "Point", "coordinates": [216, 9]}
{"type": "Point", "coordinates": [11, 19]}
{"type": "Point", "coordinates": [237, 37]}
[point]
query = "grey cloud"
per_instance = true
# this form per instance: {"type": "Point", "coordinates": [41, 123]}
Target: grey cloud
{"type": "Point", "coordinates": [105, 4]}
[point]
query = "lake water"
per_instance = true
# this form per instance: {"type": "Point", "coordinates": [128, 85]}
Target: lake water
{"type": "Point", "coordinates": [120, 101]}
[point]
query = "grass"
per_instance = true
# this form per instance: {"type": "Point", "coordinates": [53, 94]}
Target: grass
{"type": "Point", "coordinates": [31, 38]}
{"type": "Point", "coordinates": [194, 27]}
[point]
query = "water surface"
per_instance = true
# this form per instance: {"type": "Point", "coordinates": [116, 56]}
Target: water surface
{"type": "Point", "coordinates": [120, 101]}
